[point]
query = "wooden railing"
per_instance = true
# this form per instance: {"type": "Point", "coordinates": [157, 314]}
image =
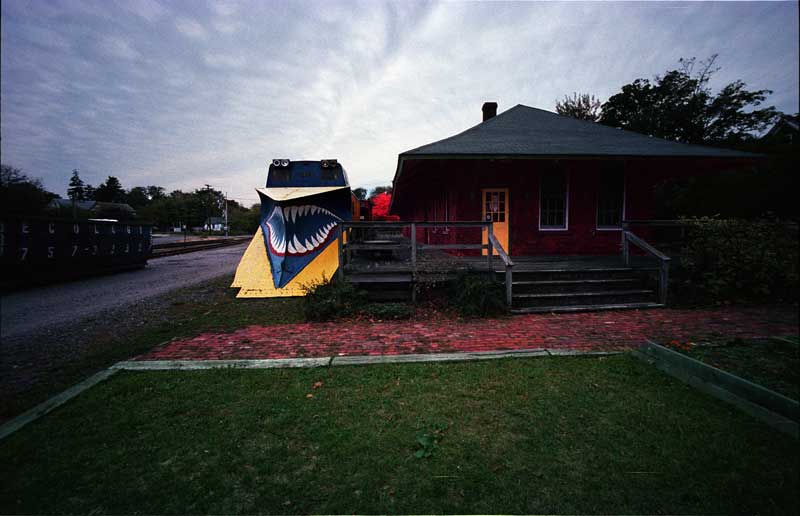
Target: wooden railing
{"type": "Point", "coordinates": [493, 242]}
{"type": "Point", "coordinates": [347, 244]}
{"type": "Point", "coordinates": [663, 260]}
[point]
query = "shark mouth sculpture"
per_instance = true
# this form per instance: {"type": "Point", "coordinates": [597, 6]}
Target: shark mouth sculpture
{"type": "Point", "coordinates": [303, 221]}
{"type": "Point", "coordinates": [296, 233]}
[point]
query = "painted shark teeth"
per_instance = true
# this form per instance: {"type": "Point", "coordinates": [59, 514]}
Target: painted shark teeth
{"type": "Point", "coordinates": [291, 213]}
{"type": "Point", "coordinates": [294, 245]}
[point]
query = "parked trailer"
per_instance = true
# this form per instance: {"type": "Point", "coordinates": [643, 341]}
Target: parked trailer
{"type": "Point", "coordinates": [41, 249]}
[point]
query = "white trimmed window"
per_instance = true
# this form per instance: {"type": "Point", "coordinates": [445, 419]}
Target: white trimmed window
{"type": "Point", "coordinates": [553, 200]}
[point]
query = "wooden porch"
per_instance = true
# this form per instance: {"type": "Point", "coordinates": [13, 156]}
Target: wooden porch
{"type": "Point", "coordinates": [387, 257]}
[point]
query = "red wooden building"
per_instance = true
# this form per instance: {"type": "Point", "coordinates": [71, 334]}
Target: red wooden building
{"type": "Point", "coordinates": [552, 185]}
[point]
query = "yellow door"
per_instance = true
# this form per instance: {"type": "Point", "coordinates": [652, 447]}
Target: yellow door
{"type": "Point", "coordinates": [495, 209]}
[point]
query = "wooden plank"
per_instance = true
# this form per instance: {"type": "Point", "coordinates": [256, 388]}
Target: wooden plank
{"type": "Point", "coordinates": [452, 246]}
{"type": "Point", "coordinates": [379, 278]}
{"type": "Point", "coordinates": [374, 224]}
{"type": "Point", "coordinates": [509, 286]}
{"type": "Point", "coordinates": [585, 294]}
{"type": "Point", "coordinates": [376, 247]}
{"type": "Point", "coordinates": [340, 238]}
{"type": "Point", "coordinates": [402, 224]}
{"type": "Point", "coordinates": [413, 247]}
{"type": "Point", "coordinates": [453, 224]}
{"type": "Point", "coordinates": [630, 237]}
{"type": "Point", "coordinates": [500, 251]}
{"type": "Point", "coordinates": [663, 282]}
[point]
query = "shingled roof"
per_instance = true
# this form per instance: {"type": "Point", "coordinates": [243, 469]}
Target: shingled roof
{"type": "Point", "coordinates": [527, 131]}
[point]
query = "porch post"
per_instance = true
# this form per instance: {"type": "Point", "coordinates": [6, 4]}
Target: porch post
{"type": "Point", "coordinates": [626, 257]}
{"type": "Point", "coordinates": [340, 238]}
{"type": "Point", "coordinates": [490, 249]}
{"type": "Point", "coordinates": [508, 286]}
{"type": "Point", "coordinates": [663, 281]}
{"type": "Point", "coordinates": [413, 248]}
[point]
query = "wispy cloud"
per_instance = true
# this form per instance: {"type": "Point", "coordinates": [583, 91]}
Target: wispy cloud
{"type": "Point", "coordinates": [119, 48]}
{"type": "Point", "coordinates": [191, 28]}
{"type": "Point", "coordinates": [186, 93]}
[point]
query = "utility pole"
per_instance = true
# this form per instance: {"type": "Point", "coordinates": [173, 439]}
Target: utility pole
{"type": "Point", "coordinates": [225, 196]}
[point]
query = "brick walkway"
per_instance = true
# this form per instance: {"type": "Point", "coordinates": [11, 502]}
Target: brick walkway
{"type": "Point", "coordinates": [598, 331]}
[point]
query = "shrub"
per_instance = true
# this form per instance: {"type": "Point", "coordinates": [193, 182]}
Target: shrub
{"type": "Point", "coordinates": [328, 300]}
{"type": "Point", "coordinates": [475, 295]}
{"type": "Point", "coordinates": [387, 311]}
{"type": "Point", "coordinates": [740, 260]}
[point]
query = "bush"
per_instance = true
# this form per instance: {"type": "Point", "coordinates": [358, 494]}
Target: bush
{"type": "Point", "coordinates": [387, 311]}
{"type": "Point", "coordinates": [476, 295]}
{"type": "Point", "coordinates": [740, 260]}
{"type": "Point", "coordinates": [328, 300]}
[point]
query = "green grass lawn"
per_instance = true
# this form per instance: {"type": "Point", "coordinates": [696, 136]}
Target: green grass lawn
{"type": "Point", "coordinates": [773, 363]}
{"type": "Point", "coordinates": [553, 435]}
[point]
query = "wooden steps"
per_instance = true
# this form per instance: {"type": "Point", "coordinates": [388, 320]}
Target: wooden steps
{"type": "Point", "coordinates": [581, 289]}
{"type": "Point", "coordinates": [584, 308]}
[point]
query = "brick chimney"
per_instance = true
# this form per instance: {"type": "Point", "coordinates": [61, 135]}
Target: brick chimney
{"type": "Point", "coordinates": [489, 110]}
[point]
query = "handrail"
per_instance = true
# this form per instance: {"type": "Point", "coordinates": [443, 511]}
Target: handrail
{"type": "Point", "coordinates": [645, 247]}
{"type": "Point", "coordinates": [654, 222]}
{"type": "Point", "coordinates": [663, 269]}
{"type": "Point", "coordinates": [402, 224]}
{"type": "Point", "coordinates": [500, 251]}
{"type": "Point", "coordinates": [494, 243]}
{"type": "Point", "coordinates": [491, 243]}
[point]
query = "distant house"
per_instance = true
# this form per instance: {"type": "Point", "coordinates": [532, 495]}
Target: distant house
{"type": "Point", "coordinates": [551, 185]}
{"type": "Point", "coordinates": [91, 209]}
{"type": "Point", "coordinates": [214, 224]}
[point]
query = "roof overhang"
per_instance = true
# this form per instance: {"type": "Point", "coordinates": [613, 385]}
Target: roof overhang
{"type": "Point", "coordinates": [402, 158]}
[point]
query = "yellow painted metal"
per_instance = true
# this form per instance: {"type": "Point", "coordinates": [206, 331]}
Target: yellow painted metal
{"type": "Point", "coordinates": [254, 275]}
{"type": "Point", "coordinates": [293, 192]}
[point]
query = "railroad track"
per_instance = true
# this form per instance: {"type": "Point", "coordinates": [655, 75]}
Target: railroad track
{"type": "Point", "coordinates": [191, 246]}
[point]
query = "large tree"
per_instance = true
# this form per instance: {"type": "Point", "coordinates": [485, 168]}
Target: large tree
{"type": "Point", "coordinates": [137, 197]}
{"type": "Point", "coordinates": [379, 190]}
{"type": "Point", "coordinates": [77, 189]}
{"type": "Point", "coordinates": [582, 106]}
{"type": "Point", "coordinates": [110, 191]}
{"type": "Point", "coordinates": [680, 106]}
{"type": "Point", "coordinates": [20, 194]}
{"type": "Point", "coordinates": [360, 193]}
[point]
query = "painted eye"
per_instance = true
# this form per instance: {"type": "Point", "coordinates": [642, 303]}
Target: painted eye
{"type": "Point", "coordinates": [284, 162]}
{"type": "Point", "coordinates": [276, 163]}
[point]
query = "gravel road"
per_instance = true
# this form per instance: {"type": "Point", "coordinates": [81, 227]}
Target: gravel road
{"type": "Point", "coordinates": [37, 309]}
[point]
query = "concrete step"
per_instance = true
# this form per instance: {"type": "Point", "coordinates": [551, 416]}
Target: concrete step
{"type": "Point", "coordinates": [576, 274]}
{"type": "Point", "coordinates": [599, 297]}
{"type": "Point", "coordinates": [585, 308]}
{"type": "Point", "coordinates": [391, 277]}
{"type": "Point", "coordinates": [579, 285]}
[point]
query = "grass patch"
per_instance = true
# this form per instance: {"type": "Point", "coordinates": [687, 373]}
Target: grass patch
{"type": "Point", "coordinates": [773, 363]}
{"type": "Point", "coordinates": [552, 435]}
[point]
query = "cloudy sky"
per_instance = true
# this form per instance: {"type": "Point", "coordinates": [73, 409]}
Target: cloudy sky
{"type": "Point", "coordinates": [180, 94]}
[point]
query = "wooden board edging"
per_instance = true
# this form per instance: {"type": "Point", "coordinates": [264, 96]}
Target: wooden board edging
{"type": "Point", "coordinates": [771, 407]}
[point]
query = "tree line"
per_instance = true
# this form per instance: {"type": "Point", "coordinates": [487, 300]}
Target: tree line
{"type": "Point", "coordinates": [23, 195]}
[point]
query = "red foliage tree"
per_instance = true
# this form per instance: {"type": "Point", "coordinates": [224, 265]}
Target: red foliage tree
{"type": "Point", "coordinates": [380, 207]}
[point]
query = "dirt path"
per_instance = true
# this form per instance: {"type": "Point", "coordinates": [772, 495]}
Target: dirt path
{"type": "Point", "coordinates": [40, 309]}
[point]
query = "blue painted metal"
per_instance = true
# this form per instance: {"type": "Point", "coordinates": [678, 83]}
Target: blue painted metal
{"type": "Point", "coordinates": [305, 174]}
{"type": "Point", "coordinates": [297, 230]}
